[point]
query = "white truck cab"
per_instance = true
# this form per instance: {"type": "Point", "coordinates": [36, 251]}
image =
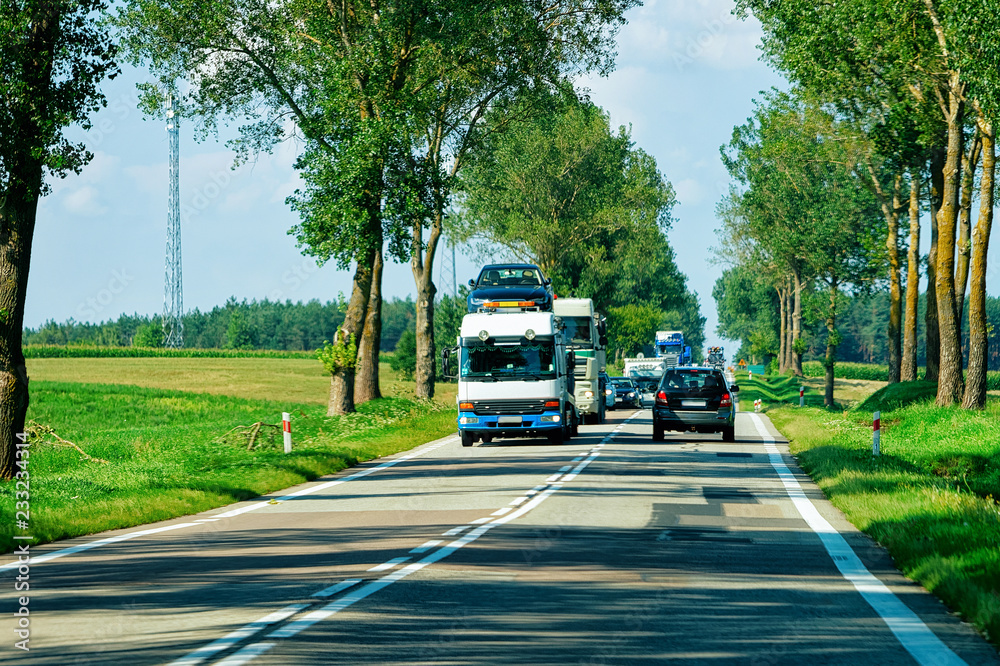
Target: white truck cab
{"type": "Point", "coordinates": [515, 377]}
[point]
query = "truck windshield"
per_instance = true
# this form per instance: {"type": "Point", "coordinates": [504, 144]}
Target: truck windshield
{"type": "Point", "coordinates": [514, 361]}
{"type": "Point", "coordinates": [578, 329]}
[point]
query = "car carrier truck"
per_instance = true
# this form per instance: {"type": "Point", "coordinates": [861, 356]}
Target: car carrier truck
{"type": "Point", "coordinates": [515, 377]}
{"type": "Point", "coordinates": [584, 331]}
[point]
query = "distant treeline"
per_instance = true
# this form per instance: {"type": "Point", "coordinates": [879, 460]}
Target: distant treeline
{"type": "Point", "coordinates": [235, 325]}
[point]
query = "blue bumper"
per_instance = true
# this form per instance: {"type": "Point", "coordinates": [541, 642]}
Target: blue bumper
{"type": "Point", "coordinates": [511, 425]}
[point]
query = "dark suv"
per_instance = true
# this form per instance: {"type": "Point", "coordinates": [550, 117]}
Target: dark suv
{"type": "Point", "coordinates": [697, 399]}
{"type": "Point", "coordinates": [510, 287]}
{"type": "Point", "coordinates": [626, 392]}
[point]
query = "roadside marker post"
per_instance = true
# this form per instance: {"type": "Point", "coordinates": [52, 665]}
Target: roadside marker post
{"type": "Point", "coordinates": [286, 428]}
{"type": "Point", "coordinates": [802, 396]}
{"type": "Point", "coordinates": [876, 433]}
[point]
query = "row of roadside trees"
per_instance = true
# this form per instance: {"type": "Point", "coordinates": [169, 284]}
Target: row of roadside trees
{"type": "Point", "coordinates": [395, 104]}
{"type": "Point", "coordinates": [891, 112]}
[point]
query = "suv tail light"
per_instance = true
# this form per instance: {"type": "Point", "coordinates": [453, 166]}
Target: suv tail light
{"type": "Point", "coordinates": [727, 400]}
{"type": "Point", "coordinates": [661, 397]}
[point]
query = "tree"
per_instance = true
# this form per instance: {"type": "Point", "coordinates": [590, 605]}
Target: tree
{"type": "Point", "coordinates": [149, 335]}
{"type": "Point", "coordinates": [630, 327]}
{"type": "Point", "coordinates": [53, 57]}
{"type": "Point", "coordinates": [404, 360]}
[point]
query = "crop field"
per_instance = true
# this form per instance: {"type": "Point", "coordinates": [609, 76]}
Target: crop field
{"type": "Point", "coordinates": [157, 438]}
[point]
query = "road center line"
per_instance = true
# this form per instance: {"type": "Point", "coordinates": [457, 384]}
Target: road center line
{"type": "Point", "coordinates": [254, 650]}
{"type": "Point", "coordinates": [922, 644]}
{"type": "Point", "coordinates": [231, 639]}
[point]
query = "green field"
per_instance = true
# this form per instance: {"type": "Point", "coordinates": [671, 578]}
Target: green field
{"type": "Point", "coordinates": [166, 449]}
{"type": "Point", "coordinates": [931, 496]}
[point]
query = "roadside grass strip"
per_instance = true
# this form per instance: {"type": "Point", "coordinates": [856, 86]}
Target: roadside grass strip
{"type": "Point", "coordinates": [150, 455]}
{"type": "Point", "coordinates": [72, 550]}
{"type": "Point", "coordinates": [922, 644]}
{"type": "Point", "coordinates": [473, 531]}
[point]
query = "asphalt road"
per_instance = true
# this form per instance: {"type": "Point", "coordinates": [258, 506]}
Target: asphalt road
{"type": "Point", "coordinates": [609, 549]}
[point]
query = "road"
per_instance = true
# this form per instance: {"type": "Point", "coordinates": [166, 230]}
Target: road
{"type": "Point", "coordinates": [609, 549]}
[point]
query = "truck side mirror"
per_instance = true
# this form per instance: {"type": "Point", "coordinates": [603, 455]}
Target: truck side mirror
{"type": "Point", "coordinates": [734, 388]}
{"type": "Point", "coordinates": [570, 360]}
{"type": "Point", "coordinates": [603, 340]}
{"type": "Point", "coordinates": [446, 364]}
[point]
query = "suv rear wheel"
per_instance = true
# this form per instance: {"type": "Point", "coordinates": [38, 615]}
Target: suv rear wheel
{"type": "Point", "coordinates": [657, 432]}
{"type": "Point", "coordinates": [729, 434]}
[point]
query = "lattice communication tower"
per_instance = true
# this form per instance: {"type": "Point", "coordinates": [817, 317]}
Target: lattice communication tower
{"type": "Point", "coordinates": [173, 290]}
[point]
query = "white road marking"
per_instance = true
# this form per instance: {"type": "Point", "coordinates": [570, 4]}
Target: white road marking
{"type": "Point", "coordinates": [565, 468]}
{"type": "Point", "coordinates": [246, 655]}
{"type": "Point", "coordinates": [229, 514]}
{"type": "Point", "coordinates": [456, 530]}
{"type": "Point", "coordinates": [96, 544]}
{"type": "Point", "coordinates": [231, 639]}
{"type": "Point", "coordinates": [480, 521]}
{"type": "Point", "coordinates": [338, 588]}
{"type": "Point", "coordinates": [500, 512]}
{"type": "Point", "coordinates": [254, 650]}
{"type": "Point", "coordinates": [553, 478]}
{"type": "Point", "coordinates": [922, 644]}
{"type": "Point", "coordinates": [391, 564]}
{"type": "Point", "coordinates": [427, 545]}
{"type": "Point", "coordinates": [519, 500]}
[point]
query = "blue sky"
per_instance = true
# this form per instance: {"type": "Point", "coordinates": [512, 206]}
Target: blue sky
{"type": "Point", "coordinates": [687, 73]}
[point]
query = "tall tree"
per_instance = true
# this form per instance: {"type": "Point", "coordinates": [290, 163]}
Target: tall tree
{"type": "Point", "coordinates": [54, 56]}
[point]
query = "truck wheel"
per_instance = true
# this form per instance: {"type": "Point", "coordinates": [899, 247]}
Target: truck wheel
{"type": "Point", "coordinates": [729, 434]}
{"type": "Point", "coordinates": [487, 439]}
{"type": "Point", "coordinates": [657, 432]}
{"type": "Point", "coordinates": [602, 413]}
{"type": "Point", "coordinates": [557, 436]}
{"type": "Point", "coordinates": [467, 438]}
{"type": "Point", "coordinates": [574, 430]}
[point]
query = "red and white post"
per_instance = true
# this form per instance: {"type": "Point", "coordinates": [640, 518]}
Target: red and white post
{"type": "Point", "coordinates": [802, 396]}
{"type": "Point", "coordinates": [286, 427]}
{"type": "Point", "coordinates": [876, 433]}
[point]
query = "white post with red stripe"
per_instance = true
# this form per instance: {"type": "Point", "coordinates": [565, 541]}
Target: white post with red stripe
{"type": "Point", "coordinates": [876, 432]}
{"type": "Point", "coordinates": [802, 396]}
{"type": "Point", "coordinates": [286, 427]}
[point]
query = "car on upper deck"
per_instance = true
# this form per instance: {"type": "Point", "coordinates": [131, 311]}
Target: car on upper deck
{"type": "Point", "coordinates": [695, 398]}
{"type": "Point", "coordinates": [510, 287]}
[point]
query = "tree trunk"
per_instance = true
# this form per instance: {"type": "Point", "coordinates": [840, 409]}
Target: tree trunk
{"type": "Point", "coordinates": [895, 302]}
{"type": "Point", "coordinates": [789, 297]}
{"type": "Point", "coordinates": [17, 226]}
{"type": "Point", "coordinates": [831, 345]}
{"type": "Point", "coordinates": [366, 384]}
{"type": "Point", "coordinates": [950, 372]}
{"type": "Point", "coordinates": [908, 366]}
{"type": "Point", "coordinates": [341, 392]}
{"type": "Point", "coordinates": [422, 263]}
{"type": "Point", "coordinates": [975, 387]}
{"type": "Point", "coordinates": [783, 342]}
{"type": "Point", "coordinates": [797, 322]}
{"type": "Point", "coordinates": [931, 330]}
{"type": "Point", "coordinates": [970, 161]}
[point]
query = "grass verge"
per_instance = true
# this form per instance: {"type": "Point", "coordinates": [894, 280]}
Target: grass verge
{"type": "Point", "coordinates": [930, 498]}
{"type": "Point", "coordinates": [166, 455]}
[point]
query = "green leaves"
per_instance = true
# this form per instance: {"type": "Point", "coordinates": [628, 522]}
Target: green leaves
{"type": "Point", "coordinates": [341, 354]}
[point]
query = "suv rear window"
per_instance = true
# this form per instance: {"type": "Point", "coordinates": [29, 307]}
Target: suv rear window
{"type": "Point", "coordinates": [688, 379]}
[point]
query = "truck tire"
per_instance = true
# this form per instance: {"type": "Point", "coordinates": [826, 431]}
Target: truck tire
{"type": "Point", "coordinates": [729, 434]}
{"type": "Point", "coordinates": [467, 438]}
{"type": "Point", "coordinates": [657, 432]}
{"type": "Point", "coordinates": [557, 436]}
{"type": "Point", "coordinates": [574, 428]}
{"type": "Point", "coordinates": [602, 413]}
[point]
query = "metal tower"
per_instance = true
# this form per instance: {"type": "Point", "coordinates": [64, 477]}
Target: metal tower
{"type": "Point", "coordinates": [449, 279]}
{"type": "Point", "coordinates": [173, 291]}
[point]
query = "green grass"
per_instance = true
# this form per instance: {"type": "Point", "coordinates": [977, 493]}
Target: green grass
{"type": "Point", "coordinates": [166, 459]}
{"type": "Point", "coordinates": [930, 498]}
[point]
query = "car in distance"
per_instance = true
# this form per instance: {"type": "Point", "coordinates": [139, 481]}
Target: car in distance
{"type": "Point", "coordinates": [608, 389]}
{"type": "Point", "coordinates": [510, 287]}
{"type": "Point", "coordinates": [697, 399]}
{"type": "Point", "coordinates": [625, 391]}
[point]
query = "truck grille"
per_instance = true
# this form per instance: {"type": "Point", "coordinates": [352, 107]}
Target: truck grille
{"type": "Point", "coordinates": [495, 407]}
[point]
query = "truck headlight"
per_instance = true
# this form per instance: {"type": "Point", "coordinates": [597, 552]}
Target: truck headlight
{"type": "Point", "coordinates": [466, 420]}
{"type": "Point", "coordinates": [550, 419]}
{"type": "Point", "coordinates": [588, 394]}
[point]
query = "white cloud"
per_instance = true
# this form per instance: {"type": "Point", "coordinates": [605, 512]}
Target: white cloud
{"type": "Point", "coordinates": [84, 201]}
{"type": "Point", "coordinates": [689, 191]}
